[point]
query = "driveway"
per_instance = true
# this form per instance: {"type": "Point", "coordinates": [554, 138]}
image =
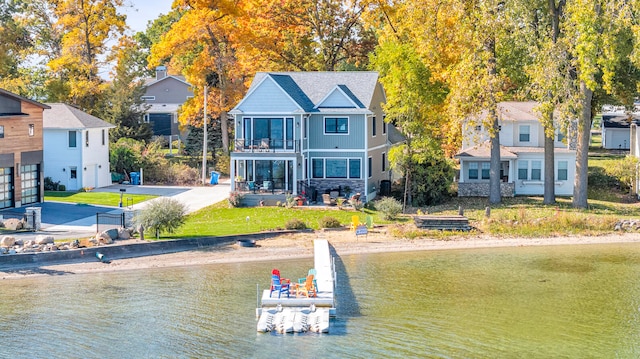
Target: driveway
{"type": "Point", "coordinates": [66, 220]}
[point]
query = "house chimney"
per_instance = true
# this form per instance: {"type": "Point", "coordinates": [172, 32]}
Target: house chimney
{"type": "Point", "coordinates": [161, 72]}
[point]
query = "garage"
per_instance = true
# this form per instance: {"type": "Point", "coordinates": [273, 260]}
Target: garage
{"type": "Point", "coordinates": [30, 181]}
{"type": "Point", "coordinates": [6, 187]}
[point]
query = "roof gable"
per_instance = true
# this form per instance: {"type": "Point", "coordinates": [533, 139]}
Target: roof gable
{"type": "Point", "coordinates": [11, 104]}
{"type": "Point", "coordinates": [63, 116]}
{"type": "Point", "coordinates": [340, 97]}
{"type": "Point", "coordinates": [171, 78]}
{"type": "Point", "coordinates": [274, 94]}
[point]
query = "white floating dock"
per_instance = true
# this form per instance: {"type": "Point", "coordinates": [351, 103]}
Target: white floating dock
{"type": "Point", "coordinates": [302, 314]}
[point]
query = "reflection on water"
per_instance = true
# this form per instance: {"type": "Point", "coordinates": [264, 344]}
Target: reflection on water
{"type": "Point", "coordinates": [569, 301]}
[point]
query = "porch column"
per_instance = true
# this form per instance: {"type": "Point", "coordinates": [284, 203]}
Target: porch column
{"type": "Point", "coordinates": [294, 185]}
{"type": "Point", "coordinates": [512, 169]}
{"type": "Point", "coordinates": [232, 175]}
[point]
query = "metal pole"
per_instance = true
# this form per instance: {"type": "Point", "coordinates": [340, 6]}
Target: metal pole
{"type": "Point", "coordinates": [204, 142]}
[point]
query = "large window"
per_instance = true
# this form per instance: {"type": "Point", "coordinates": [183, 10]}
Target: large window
{"type": "Point", "coordinates": [523, 170]}
{"type": "Point", "coordinates": [336, 125]}
{"type": "Point", "coordinates": [473, 170]}
{"type": "Point", "coordinates": [336, 168]}
{"type": "Point", "coordinates": [536, 170]}
{"type": "Point", "coordinates": [525, 133]}
{"type": "Point", "coordinates": [563, 172]}
{"type": "Point", "coordinates": [72, 139]}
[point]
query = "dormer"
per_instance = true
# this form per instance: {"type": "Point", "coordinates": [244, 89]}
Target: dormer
{"type": "Point", "coordinates": [340, 97]}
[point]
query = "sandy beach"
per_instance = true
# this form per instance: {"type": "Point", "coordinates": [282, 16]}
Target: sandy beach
{"type": "Point", "coordinates": [300, 245]}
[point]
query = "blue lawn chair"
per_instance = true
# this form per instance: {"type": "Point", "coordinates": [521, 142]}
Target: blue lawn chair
{"type": "Point", "coordinates": [278, 286]}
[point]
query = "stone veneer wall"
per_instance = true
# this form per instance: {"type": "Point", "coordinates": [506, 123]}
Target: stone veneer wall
{"type": "Point", "coordinates": [324, 185]}
{"type": "Point", "coordinates": [474, 189]}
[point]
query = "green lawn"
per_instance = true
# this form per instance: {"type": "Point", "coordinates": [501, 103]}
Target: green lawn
{"type": "Point", "coordinates": [96, 198]}
{"type": "Point", "coordinates": [220, 220]}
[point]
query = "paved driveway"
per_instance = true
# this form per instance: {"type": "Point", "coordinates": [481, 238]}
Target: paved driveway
{"type": "Point", "coordinates": [69, 218]}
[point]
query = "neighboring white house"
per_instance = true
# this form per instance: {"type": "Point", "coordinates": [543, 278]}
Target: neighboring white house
{"type": "Point", "coordinates": [521, 155]}
{"type": "Point", "coordinates": [76, 147]}
{"type": "Point", "coordinates": [616, 130]}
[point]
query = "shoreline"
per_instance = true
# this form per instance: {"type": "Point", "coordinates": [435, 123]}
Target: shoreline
{"type": "Point", "coordinates": [300, 245]}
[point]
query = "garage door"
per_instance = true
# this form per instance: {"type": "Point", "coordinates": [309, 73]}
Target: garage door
{"type": "Point", "coordinates": [6, 187]}
{"type": "Point", "coordinates": [30, 181]}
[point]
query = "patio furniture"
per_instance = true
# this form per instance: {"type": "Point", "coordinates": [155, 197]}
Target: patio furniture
{"type": "Point", "coordinates": [327, 200]}
{"type": "Point", "coordinates": [355, 222]}
{"type": "Point", "coordinates": [307, 289]}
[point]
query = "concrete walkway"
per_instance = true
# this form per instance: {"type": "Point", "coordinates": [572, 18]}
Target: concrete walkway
{"type": "Point", "coordinates": [64, 220]}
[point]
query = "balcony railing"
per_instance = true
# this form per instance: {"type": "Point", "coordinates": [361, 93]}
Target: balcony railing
{"type": "Point", "coordinates": [266, 145]}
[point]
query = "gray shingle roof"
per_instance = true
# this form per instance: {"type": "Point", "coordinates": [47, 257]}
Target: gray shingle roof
{"type": "Point", "coordinates": [317, 85]}
{"type": "Point", "coordinates": [296, 93]}
{"type": "Point", "coordinates": [63, 116]}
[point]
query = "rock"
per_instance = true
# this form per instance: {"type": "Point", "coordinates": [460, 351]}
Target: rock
{"type": "Point", "coordinates": [7, 241]}
{"type": "Point", "coordinates": [124, 234]}
{"type": "Point", "coordinates": [13, 224]}
{"type": "Point", "coordinates": [28, 244]}
{"type": "Point", "coordinates": [103, 238]}
{"type": "Point", "coordinates": [4, 250]}
{"type": "Point", "coordinates": [112, 233]}
{"type": "Point", "coordinates": [44, 239]}
{"type": "Point", "coordinates": [74, 244]}
{"type": "Point", "coordinates": [19, 242]}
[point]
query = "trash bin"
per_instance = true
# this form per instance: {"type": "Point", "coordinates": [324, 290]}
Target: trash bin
{"type": "Point", "coordinates": [214, 177]}
{"type": "Point", "coordinates": [135, 177]}
{"type": "Point", "coordinates": [385, 188]}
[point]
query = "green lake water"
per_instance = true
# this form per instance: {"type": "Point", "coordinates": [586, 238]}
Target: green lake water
{"type": "Point", "coordinates": [525, 302]}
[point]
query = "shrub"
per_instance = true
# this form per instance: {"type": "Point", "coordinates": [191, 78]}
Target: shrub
{"type": "Point", "coordinates": [49, 185]}
{"type": "Point", "coordinates": [389, 207]}
{"type": "Point", "coordinates": [329, 222]}
{"type": "Point", "coordinates": [62, 188]}
{"type": "Point", "coordinates": [357, 205]}
{"type": "Point", "coordinates": [295, 224]}
{"type": "Point", "coordinates": [162, 215]}
{"type": "Point", "coordinates": [290, 201]}
{"type": "Point", "coordinates": [184, 175]}
{"type": "Point", "coordinates": [235, 198]}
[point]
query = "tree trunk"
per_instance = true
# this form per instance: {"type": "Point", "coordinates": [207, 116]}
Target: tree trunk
{"type": "Point", "coordinates": [582, 153]}
{"type": "Point", "coordinates": [494, 170]}
{"type": "Point", "coordinates": [224, 128]}
{"type": "Point", "coordinates": [549, 170]}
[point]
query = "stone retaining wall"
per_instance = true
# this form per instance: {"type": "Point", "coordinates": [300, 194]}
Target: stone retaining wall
{"type": "Point", "coordinates": [473, 189]}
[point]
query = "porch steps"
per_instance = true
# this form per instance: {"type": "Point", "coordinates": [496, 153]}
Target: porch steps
{"type": "Point", "coordinates": [253, 200]}
{"type": "Point", "coordinates": [448, 223]}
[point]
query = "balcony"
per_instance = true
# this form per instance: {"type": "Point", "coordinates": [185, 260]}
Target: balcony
{"type": "Point", "coordinates": [266, 145]}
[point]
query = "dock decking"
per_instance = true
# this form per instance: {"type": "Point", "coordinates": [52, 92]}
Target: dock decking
{"type": "Point", "coordinates": [301, 314]}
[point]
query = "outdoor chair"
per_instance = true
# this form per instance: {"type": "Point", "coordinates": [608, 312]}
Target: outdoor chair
{"type": "Point", "coordinates": [252, 186]}
{"type": "Point", "coordinates": [355, 198]}
{"type": "Point", "coordinates": [280, 285]}
{"type": "Point", "coordinates": [327, 200]}
{"type": "Point", "coordinates": [308, 289]}
{"type": "Point", "coordinates": [355, 222]}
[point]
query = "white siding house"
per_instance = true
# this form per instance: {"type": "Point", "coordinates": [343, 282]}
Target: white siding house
{"type": "Point", "coordinates": [76, 148]}
{"type": "Point", "coordinates": [521, 155]}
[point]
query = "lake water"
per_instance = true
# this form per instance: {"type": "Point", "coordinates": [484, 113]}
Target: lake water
{"type": "Point", "coordinates": [525, 302]}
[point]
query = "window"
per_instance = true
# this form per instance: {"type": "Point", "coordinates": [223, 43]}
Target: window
{"type": "Point", "coordinates": [560, 136]}
{"type": "Point", "coordinates": [336, 125]}
{"type": "Point", "coordinates": [1, 131]}
{"type": "Point", "coordinates": [384, 124]}
{"type": "Point", "coordinates": [525, 132]}
{"type": "Point", "coordinates": [373, 126]}
{"type": "Point", "coordinates": [384, 162]}
{"type": "Point", "coordinates": [335, 168]}
{"type": "Point", "coordinates": [523, 170]}
{"type": "Point", "coordinates": [473, 170]}
{"type": "Point", "coordinates": [72, 139]}
{"type": "Point", "coordinates": [32, 128]}
{"type": "Point", "coordinates": [103, 137]}
{"type": "Point", "coordinates": [73, 173]}
{"type": "Point", "coordinates": [370, 163]}
{"type": "Point", "coordinates": [145, 118]}
{"type": "Point", "coordinates": [486, 166]}
{"type": "Point", "coordinates": [563, 170]}
{"type": "Point", "coordinates": [536, 170]}
{"type": "Point", "coordinates": [354, 168]}
{"type": "Point", "coordinates": [151, 98]}
{"type": "Point", "coordinates": [86, 139]}
{"type": "Point", "coordinates": [318, 168]}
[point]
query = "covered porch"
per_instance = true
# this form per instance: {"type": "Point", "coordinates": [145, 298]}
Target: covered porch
{"type": "Point", "coordinates": [270, 173]}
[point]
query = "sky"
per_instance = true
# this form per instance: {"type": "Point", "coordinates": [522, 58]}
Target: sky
{"type": "Point", "coordinates": [139, 12]}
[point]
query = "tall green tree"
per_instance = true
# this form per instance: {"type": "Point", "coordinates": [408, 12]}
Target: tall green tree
{"type": "Point", "coordinates": [14, 44]}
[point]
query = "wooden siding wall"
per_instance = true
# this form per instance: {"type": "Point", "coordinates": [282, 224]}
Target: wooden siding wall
{"type": "Point", "coordinates": [17, 141]}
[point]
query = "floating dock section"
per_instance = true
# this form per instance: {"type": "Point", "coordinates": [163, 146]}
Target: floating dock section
{"type": "Point", "coordinates": [302, 314]}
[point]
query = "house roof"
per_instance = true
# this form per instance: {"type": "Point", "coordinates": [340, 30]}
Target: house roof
{"type": "Point", "coordinates": [6, 93]}
{"type": "Point", "coordinates": [359, 86]}
{"type": "Point", "coordinates": [63, 116]}
{"type": "Point", "coordinates": [152, 80]}
{"type": "Point", "coordinates": [618, 120]}
{"type": "Point", "coordinates": [515, 111]}
{"type": "Point", "coordinates": [483, 150]}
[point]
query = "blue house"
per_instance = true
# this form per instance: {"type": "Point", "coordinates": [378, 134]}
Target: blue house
{"type": "Point", "coordinates": [311, 133]}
